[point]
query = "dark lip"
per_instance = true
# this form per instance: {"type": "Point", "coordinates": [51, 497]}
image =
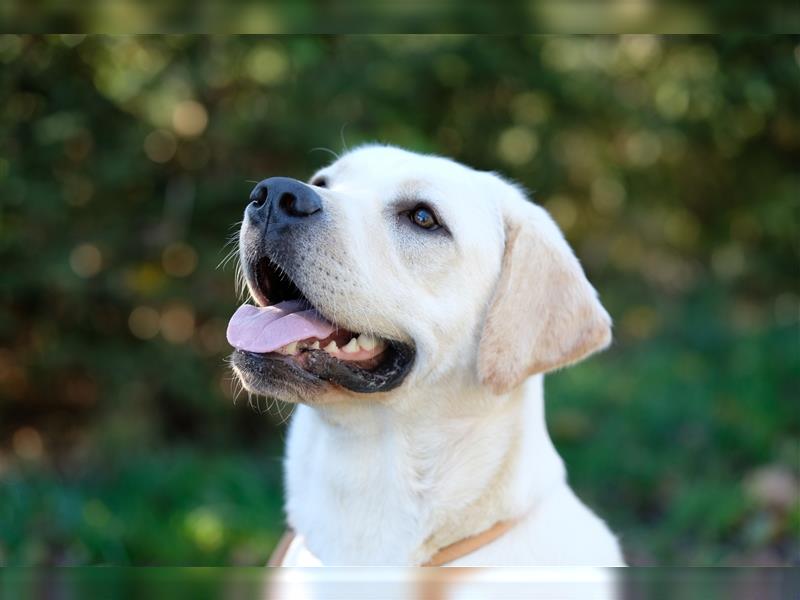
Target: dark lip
{"type": "Point", "coordinates": [320, 367]}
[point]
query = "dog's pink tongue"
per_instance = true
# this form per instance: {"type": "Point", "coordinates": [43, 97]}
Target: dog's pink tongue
{"type": "Point", "coordinates": [265, 329]}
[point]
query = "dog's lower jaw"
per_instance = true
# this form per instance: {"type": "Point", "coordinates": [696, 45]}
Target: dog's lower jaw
{"type": "Point", "coordinates": [392, 491]}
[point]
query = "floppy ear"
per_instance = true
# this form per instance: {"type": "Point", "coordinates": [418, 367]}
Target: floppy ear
{"type": "Point", "coordinates": [544, 314]}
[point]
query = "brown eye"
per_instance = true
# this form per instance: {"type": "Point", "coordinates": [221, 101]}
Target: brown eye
{"type": "Point", "coordinates": [320, 182]}
{"type": "Point", "coordinates": [423, 217]}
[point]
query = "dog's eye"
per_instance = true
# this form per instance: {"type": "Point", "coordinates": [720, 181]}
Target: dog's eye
{"type": "Point", "coordinates": [320, 182]}
{"type": "Point", "coordinates": [422, 216]}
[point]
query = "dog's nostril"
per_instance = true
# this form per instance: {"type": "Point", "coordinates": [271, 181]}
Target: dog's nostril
{"type": "Point", "coordinates": [288, 202]}
{"type": "Point", "coordinates": [259, 195]}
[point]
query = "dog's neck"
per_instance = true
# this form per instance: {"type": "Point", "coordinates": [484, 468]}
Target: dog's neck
{"type": "Point", "coordinates": [373, 484]}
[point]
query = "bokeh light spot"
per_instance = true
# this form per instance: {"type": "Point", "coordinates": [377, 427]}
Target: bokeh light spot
{"type": "Point", "coordinates": [144, 279]}
{"type": "Point", "coordinates": [773, 486]}
{"type": "Point", "coordinates": [204, 528]}
{"type": "Point", "coordinates": [177, 323]}
{"type": "Point", "coordinates": [672, 99]}
{"type": "Point", "coordinates": [640, 50]}
{"type": "Point", "coordinates": [27, 443]}
{"type": "Point", "coordinates": [160, 146]}
{"type": "Point", "coordinates": [681, 228]}
{"type": "Point", "coordinates": [642, 148]}
{"type": "Point", "coordinates": [86, 260]}
{"type": "Point", "coordinates": [563, 210]}
{"type": "Point", "coordinates": [530, 108]}
{"type": "Point", "coordinates": [189, 118]}
{"type": "Point", "coordinates": [728, 261]}
{"type": "Point", "coordinates": [179, 259]}
{"type": "Point", "coordinates": [517, 145]}
{"type": "Point", "coordinates": [608, 195]}
{"type": "Point", "coordinates": [144, 322]}
{"type": "Point", "coordinates": [267, 64]}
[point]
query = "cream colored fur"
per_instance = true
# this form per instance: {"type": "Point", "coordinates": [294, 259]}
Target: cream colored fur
{"type": "Point", "coordinates": [388, 479]}
{"type": "Point", "coordinates": [543, 304]}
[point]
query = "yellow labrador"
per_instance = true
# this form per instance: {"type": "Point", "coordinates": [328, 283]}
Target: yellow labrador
{"type": "Point", "coordinates": [410, 305]}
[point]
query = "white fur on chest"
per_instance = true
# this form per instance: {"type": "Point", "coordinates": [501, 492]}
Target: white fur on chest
{"type": "Point", "coordinates": [352, 501]}
{"type": "Point", "coordinates": [374, 495]}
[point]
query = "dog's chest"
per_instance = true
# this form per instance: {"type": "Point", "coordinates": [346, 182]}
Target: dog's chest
{"type": "Point", "coordinates": [353, 502]}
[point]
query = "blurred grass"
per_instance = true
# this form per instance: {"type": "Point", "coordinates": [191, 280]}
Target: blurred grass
{"type": "Point", "coordinates": [666, 440]}
{"type": "Point", "coordinates": [180, 506]}
{"type": "Point", "coordinates": [670, 163]}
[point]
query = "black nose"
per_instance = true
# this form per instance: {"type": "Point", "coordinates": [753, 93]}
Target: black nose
{"type": "Point", "coordinates": [282, 200]}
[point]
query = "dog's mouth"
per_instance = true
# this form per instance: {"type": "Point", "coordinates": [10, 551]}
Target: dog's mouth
{"type": "Point", "coordinates": [286, 327]}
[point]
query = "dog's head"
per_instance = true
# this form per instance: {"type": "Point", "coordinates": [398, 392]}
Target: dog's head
{"type": "Point", "coordinates": [391, 268]}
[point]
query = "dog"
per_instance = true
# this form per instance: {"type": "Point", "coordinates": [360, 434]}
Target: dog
{"type": "Point", "coordinates": [409, 305]}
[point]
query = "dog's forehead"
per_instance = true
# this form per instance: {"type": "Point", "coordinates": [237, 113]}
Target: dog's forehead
{"type": "Point", "coordinates": [397, 172]}
{"type": "Point", "coordinates": [389, 164]}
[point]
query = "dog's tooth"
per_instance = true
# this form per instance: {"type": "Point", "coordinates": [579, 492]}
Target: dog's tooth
{"type": "Point", "coordinates": [352, 346]}
{"type": "Point", "coordinates": [290, 348]}
{"type": "Point", "coordinates": [367, 342]}
{"type": "Point", "coordinates": [315, 345]}
{"type": "Point", "coordinates": [331, 348]}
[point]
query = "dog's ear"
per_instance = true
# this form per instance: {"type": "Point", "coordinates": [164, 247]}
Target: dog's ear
{"type": "Point", "coordinates": [544, 313]}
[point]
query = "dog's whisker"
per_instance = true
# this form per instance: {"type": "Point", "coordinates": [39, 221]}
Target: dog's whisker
{"type": "Point", "coordinates": [323, 148]}
{"type": "Point", "coordinates": [228, 258]}
{"type": "Point", "coordinates": [238, 389]}
{"type": "Point", "coordinates": [284, 419]}
{"type": "Point", "coordinates": [341, 135]}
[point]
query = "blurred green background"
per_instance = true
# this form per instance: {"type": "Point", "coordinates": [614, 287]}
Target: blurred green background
{"type": "Point", "coordinates": [125, 162]}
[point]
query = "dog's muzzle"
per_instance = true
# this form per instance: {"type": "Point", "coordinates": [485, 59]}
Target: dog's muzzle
{"type": "Point", "coordinates": [285, 342]}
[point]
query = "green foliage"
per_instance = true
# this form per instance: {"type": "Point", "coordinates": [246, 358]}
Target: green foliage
{"type": "Point", "coordinates": [125, 164]}
{"type": "Point", "coordinates": [678, 444]}
{"type": "Point", "coordinates": [173, 507]}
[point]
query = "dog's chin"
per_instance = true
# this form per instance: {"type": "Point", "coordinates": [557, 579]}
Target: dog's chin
{"type": "Point", "coordinates": [314, 376]}
{"type": "Point", "coordinates": [276, 376]}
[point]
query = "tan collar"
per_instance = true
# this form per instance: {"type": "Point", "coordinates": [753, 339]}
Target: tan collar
{"type": "Point", "coordinates": [442, 557]}
{"type": "Point", "coordinates": [469, 544]}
